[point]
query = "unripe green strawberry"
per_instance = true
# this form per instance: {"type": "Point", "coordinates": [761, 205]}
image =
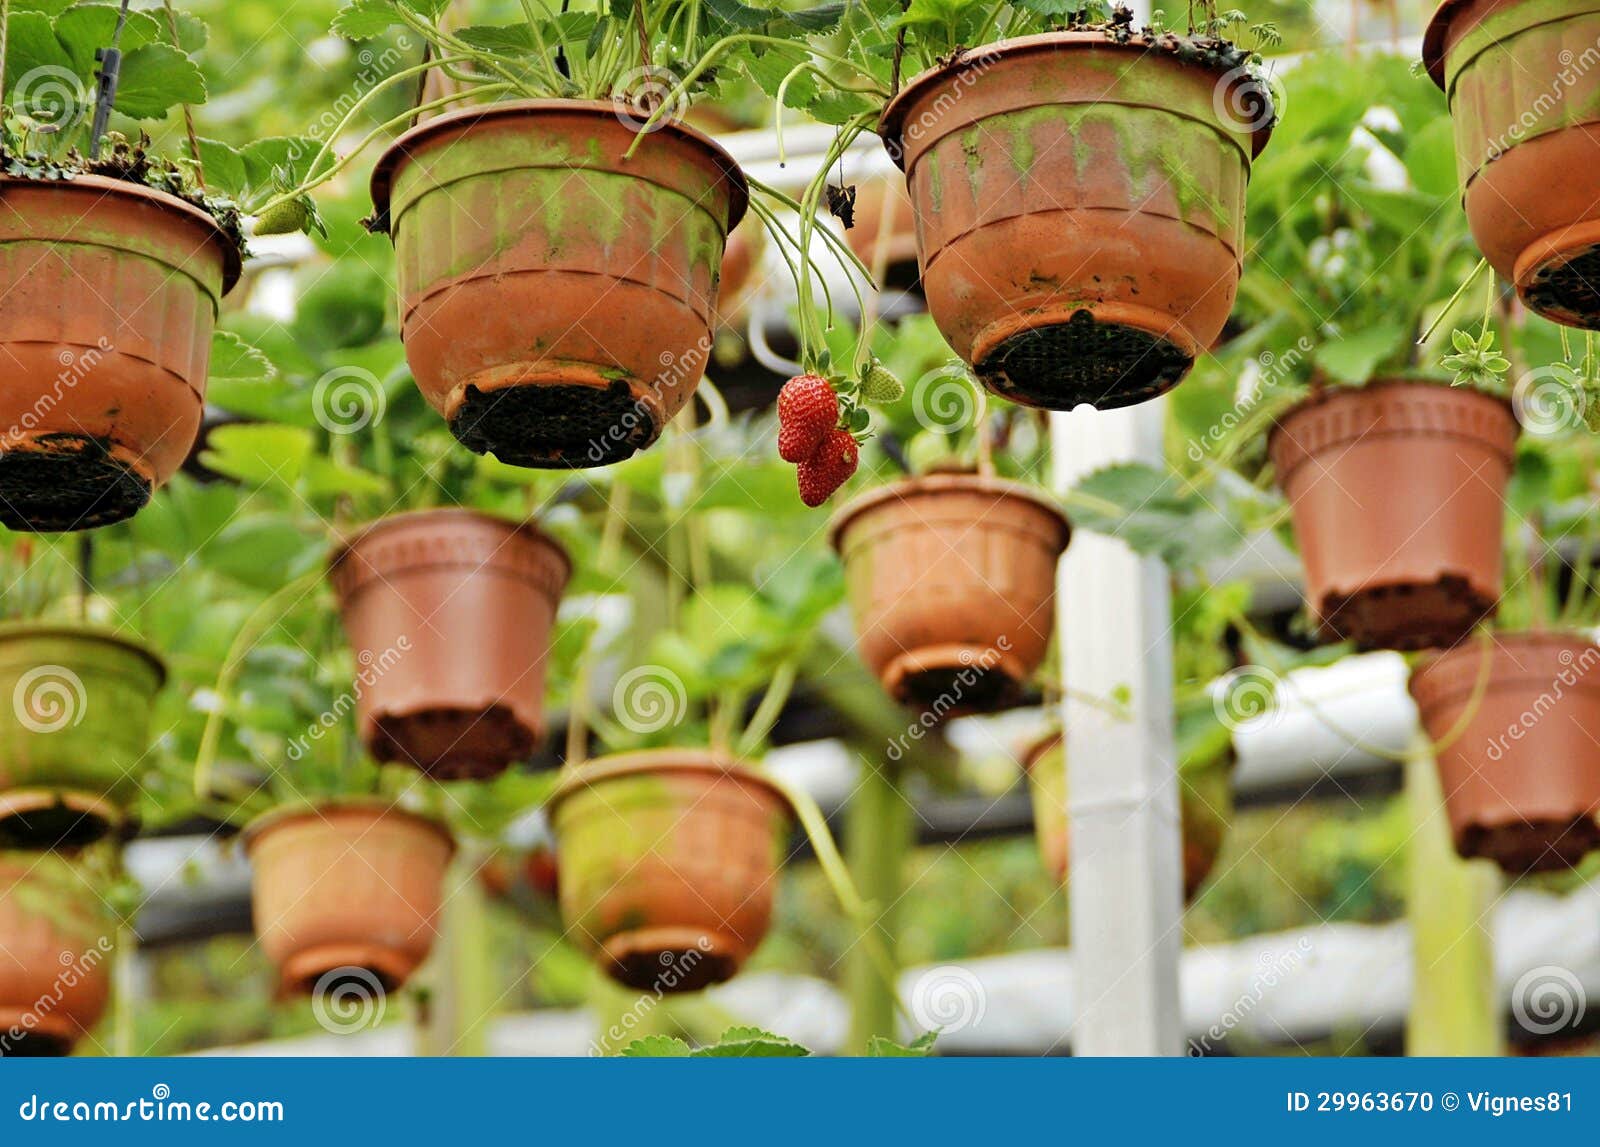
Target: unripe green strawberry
{"type": "Point", "coordinates": [285, 218]}
{"type": "Point", "coordinates": [880, 385]}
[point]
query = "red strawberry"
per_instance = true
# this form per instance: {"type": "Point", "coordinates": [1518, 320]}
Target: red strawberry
{"type": "Point", "coordinates": [807, 410]}
{"type": "Point", "coordinates": [829, 468]}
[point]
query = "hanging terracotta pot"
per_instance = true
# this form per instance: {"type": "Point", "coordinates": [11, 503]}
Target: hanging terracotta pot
{"type": "Point", "coordinates": [952, 581]}
{"type": "Point", "coordinates": [1525, 99]}
{"type": "Point", "coordinates": [1080, 211]}
{"type": "Point", "coordinates": [1398, 496]}
{"type": "Point", "coordinates": [1205, 803]}
{"type": "Point", "coordinates": [346, 891]}
{"type": "Point", "coordinates": [556, 296]}
{"type": "Point", "coordinates": [56, 946]}
{"type": "Point", "coordinates": [108, 296]}
{"type": "Point", "coordinates": [740, 275]}
{"type": "Point", "coordinates": [668, 864]}
{"type": "Point", "coordinates": [1514, 723]}
{"type": "Point", "coordinates": [449, 613]}
{"type": "Point", "coordinates": [76, 735]}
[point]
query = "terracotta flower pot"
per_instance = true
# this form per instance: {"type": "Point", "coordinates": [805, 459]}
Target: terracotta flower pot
{"type": "Point", "coordinates": [1080, 212]}
{"type": "Point", "coordinates": [1398, 495]}
{"type": "Point", "coordinates": [76, 732]}
{"type": "Point", "coordinates": [1525, 99]}
{"type": "Point", "coordinates": [346, 887]}
{"type": "Point", "coordinates": [108, 296]}
{"type": "Point", "coordinates": [738, 281]}
{"type": "Point", "coordinates": [449, 612]}
{"type": "Point", "coordinates": [556, 298]}
{"type": "Point", "coordinates": [951, 580]}
{"type": "Point", "coordinates": [1205, 803]}
{"type": "Point", "coordinates": [56, 944]}
{"type": "Point", "coordinates": [668, 864]}
{"type": "Point", "coordinates": [1522, 780]}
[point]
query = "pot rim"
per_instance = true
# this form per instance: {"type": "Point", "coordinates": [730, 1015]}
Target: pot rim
{"type": "Point", "coordinates": [895, 112]}
{"type": "Point", "coordinates": [232, 260]}
{"type": "Point", "coordinates": [89, 634]}
{"type": "Point", "coordinates": [388, 165]}
{"type": "Point", "coordinates": [1438, 31]}
{"type": "Point", "coordinates": [1033, 751]}
{"type": "Point", "coordinates": [680, 760]}
{"type": "Point", "coordinates": [905, 488]}
{"type": "Point", "coordinates": [1322, 396]}
{"type": "Point", "coordinates": [341, 549]}
{"type": "Point", "coordinates": [1500, 645]}
{"type": "Point", "coordinates": [250, 835]}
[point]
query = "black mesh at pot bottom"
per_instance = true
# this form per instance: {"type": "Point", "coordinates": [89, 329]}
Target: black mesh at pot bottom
{"type": "Point", "coordinates": [1540, 846]}
{"type": "Point", "coordinates": [33, 1045]}
{"type": "Point", "coordinates": [959, 690]}
{"type": "Point", "coordinates": [1408, 617]}
{"type": "Point", "coordinates": [673, 970]}
{"type": "Point", "coordinates": [554, 427]}
{"type": "Point", "coordinates": [1569, 289]}
{"type": "Point", "coordinates": [453, 744]}
{"type": "Point", "coordinates": [66, 482]}
{"type": "Point", "coordinates": [1063, 365]}
{"type": "Point", "coordinates": [56, 827]}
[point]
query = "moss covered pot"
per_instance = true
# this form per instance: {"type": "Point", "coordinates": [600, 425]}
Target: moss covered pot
{"type": "Point", "coordinates": [1205, 798]}
{"type": "Point", "coordinates": [668, 864]}
{"type": "Point", "coordinates": [346, 894]}
{"type": "Point", "coordinates": [557, 293]}
{"type": "Point", "coordinates": [108, 296]}
{"type": "Point", "coordinates": [1524, 91]}
{"type": "Point", "coordinates": [56, 946]}
{"type": "Point", "coordinates": [73, 748]}
{"type": "Point", "coordinates": [1080, 208]}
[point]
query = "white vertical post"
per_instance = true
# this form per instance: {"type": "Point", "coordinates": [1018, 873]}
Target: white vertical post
{"type": "Point", "coordinates": [1125, 885]}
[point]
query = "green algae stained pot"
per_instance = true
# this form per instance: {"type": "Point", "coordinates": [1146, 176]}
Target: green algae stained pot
{"type": "Point", "coordinates": [1523, 81]}
{"type": "Point", "coordinates": [668, 864]}
{"type": "Point", "coordinates": [556, 294]}
{"type": "Point", "coordinates": [108, 296]}
{"type": "Point", "coordinates": [1080, 208]}
{"type": "Point", "coordinates": [1205, 797]}
{"type": "Point", "coordinates": [76, 731]}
